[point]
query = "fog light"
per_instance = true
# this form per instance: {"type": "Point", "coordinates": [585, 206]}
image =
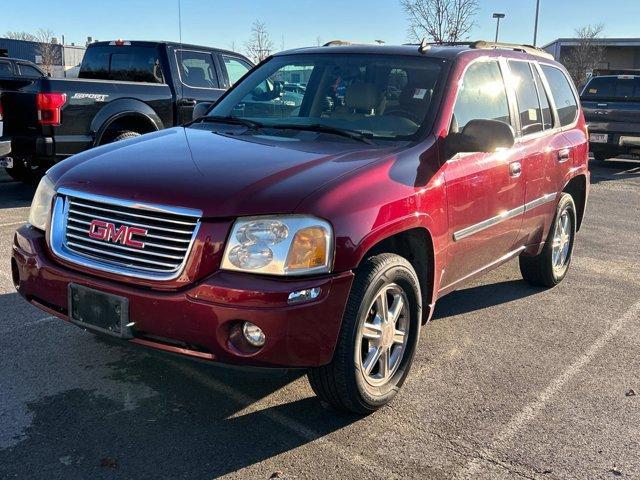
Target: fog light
{"type": "Point", "coordinates": [305, 295]}
{"type": "Point", "coordinates": [253, 334]}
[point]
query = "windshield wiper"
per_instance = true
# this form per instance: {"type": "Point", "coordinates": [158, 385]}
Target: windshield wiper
{"type": "Point", "coordinates": [232, 121]}
{"type": "Point", "coordinates": [319, 127]}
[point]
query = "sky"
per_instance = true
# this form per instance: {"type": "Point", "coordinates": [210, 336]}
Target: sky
{"type": "Point", "coordinates": [297, 23]}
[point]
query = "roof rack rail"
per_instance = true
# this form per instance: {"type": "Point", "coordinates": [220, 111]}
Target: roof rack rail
{"type": "Point", "coordinates": [334, 43]}
{"type": "Point", "coordinates": [530, 49]}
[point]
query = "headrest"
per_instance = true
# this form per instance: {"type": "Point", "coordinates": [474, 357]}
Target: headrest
{"type": "Point", "coordinates": [196, 75]}
{"type": "Point", "coordinates": [362, 96]}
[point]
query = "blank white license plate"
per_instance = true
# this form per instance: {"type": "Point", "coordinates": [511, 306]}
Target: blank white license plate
{"type": "Point", "coordinates": [598, 137]}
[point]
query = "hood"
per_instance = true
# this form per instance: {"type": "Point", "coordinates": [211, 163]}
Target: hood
{"type": "Point", "coordinates": [222, 175]}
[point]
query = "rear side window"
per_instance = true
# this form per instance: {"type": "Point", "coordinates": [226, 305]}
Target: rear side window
{"type": "Point", "coordinates": [547, 117]}
{"type": "Point", "coordinates": [527, 97]}
{"type": "Point", "coordinates": [5, 69]}
{"type": "Point", "coordinates": [562, 94]}
{"type": "Point", "coordinates": [623, 87]}
{"type": "Point", "coordinates": [131, 64]}
{"type": "Point", "coordinates": [481, 96]}
{"type": "Point", "coordinates": [197, 69]}
{"type": "Point", "coordinates": [29, 71]}
{"type": "Point", "coordinates": [235, 68]}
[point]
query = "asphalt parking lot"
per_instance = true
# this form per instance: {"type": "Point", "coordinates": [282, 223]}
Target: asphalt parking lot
{"type": "Point", "coordinates": [510, 381]}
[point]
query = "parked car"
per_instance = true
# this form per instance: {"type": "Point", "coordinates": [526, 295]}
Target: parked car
{"type": "Point", "coordinates": [319, 239]}
{"type": "Point", "coordinates": [16, 67]}
{"type": "Point", "coordinates": [124, 89]}
{"type": "Point", "coordinates": [612, 108]}
{"type": "Point", "coordinates": [13, 68]}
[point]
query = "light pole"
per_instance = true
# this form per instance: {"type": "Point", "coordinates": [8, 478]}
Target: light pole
{"type": "Point", "coordinates": [498, 16]}
{"type": "Point", "coordinates": [535, 28]}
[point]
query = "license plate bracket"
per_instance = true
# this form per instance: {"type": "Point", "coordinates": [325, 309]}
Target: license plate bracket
{"type": "Point", "coordinates": [96, 310]}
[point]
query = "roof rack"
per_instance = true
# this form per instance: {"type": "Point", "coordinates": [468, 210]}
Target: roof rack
{"type": "Point", "coordinates": [335, 43]}
{"type": "Point", "coordinates": [530, 49]}
{"type": "Point", "coordinates": [424, 46]}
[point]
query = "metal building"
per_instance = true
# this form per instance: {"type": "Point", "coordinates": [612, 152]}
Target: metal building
{"type": "Point", "coordinates": [66, 58]}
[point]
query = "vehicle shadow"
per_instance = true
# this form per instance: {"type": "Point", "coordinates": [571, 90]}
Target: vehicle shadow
{"type": "Point", "coordinates": [198, 421]}
{"type": "Point", "coordinates": [14, 194]}
{"type": "Point", "coordinates": [614, 169]}
{"type": "Point", "coordinates": [483, 296]}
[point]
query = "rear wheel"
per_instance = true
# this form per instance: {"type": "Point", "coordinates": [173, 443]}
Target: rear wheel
{"type": "Point", "coordinates": [378, 338]}
{"type": "Point", "coordinates": [550, 267]}
{"type": "Point", "coordinates": [124, 135]}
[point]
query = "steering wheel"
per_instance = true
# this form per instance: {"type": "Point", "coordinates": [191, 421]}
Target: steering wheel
{"type": "Point", "coordinates": [401, 112]}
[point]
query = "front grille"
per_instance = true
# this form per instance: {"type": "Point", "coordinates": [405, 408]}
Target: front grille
{"type": "Point", "coordinates": [161, 252]}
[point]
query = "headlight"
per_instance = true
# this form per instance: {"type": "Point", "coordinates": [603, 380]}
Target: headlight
{"type": "Point", "coordinates": [280, 245]}
{"type": "Point", "coordinates": [41, 204]}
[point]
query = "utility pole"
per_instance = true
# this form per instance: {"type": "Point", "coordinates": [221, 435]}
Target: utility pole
{"type": "Point", "coordinates": [535, 28]}
{"type": "Point", "coordinates": [498, 16]}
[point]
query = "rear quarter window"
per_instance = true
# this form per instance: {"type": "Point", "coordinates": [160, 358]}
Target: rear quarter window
{"type": "Point", "coordinates": [562, 93]}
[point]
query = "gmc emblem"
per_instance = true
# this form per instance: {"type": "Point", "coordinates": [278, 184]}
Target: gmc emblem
{"type": "Point", "coordinates": [108, 232]}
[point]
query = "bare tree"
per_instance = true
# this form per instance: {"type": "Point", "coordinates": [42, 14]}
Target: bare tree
{"type": "Point", "coordinates": [586, 55]}
{"type": "Point", "coordinates": [21, 36]}
{"type": "Point", "coordinates": [442, 21]}
{"type": "Point", "coordinates": [259, 45]}
{"type": "Point", "coordinates": [49, 54]}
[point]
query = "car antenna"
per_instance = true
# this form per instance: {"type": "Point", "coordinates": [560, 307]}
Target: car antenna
{"type": "Point", "coordinates": [424, 46]}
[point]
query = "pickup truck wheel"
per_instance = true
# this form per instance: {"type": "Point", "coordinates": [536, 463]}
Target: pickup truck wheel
{"type": "Point", "coordinates": [124, 135]}
{"type": "Point", "coordinates": [378, 338]}
{"type": "Point", "coordinates": [550, 267]}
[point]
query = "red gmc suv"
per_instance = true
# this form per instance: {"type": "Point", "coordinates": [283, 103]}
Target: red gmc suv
{"type": "Point", "coordinates": [317, 229]}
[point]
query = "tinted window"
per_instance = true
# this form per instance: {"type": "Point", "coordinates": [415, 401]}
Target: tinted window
{"type": "Point", "coordinates": [547, 118]}
{"type": "Point", "coordinates": [235, 68]}
{"type": "Point", "coordinates": [562, 94]}
{"type": "Point", "coordinates": [197, 69]}
{"type": "Point", "coordinates": [29, 71]}
{"type": "Point", "coordinates": [482, 95]}
{"type": "Point", "coordinates": [623, 87]}
{"type": "Point", "coordinates": [5, 69]}
{"type": "Point", "coordinates": [527, 97]}
{"type": "Point", "coordinates": [132, 64]}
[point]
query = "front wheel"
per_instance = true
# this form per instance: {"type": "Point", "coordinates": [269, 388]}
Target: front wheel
{"type": "Point", "coordinates": [551, 266]}
{"type": "Point", "coordinates": [378, 338]}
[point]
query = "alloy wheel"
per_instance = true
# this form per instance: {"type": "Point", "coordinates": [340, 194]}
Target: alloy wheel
{"type": "Point", "coordinates": [383, 335]}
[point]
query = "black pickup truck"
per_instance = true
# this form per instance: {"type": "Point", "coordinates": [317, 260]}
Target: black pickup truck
{"type": "Point", "coordinates": [124, 89]}
{"type": "Point", "coordinates": [612, 110]}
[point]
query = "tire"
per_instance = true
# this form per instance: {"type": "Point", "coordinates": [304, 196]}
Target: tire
{"type": "Point", "coordinates": [344, 383]}
{"type": "Point", "coordinates": [549, 268]}
{"type": "Point", "coordinates": [124, 135]}
{"type": "Point", "coordinates": [24, 172]}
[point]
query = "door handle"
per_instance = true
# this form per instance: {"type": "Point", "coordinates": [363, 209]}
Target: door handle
{"type": "Point", "coordinates": [187, 102]}
{"type": "Point", "coordinates": [563, 155]}
{"type": "Point", "coordinates": [515, 169]}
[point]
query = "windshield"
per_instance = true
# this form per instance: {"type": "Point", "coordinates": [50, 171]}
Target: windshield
{"type": "Point", "coordinates": [622, 87]}
{"type": "Point", "coordinates": [375, 96]}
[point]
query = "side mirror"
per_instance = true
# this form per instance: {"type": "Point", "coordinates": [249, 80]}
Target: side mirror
{"type": "Point", "coordinates": [201, 109]}
{"type": "Point", "coordinates": [481, 136]}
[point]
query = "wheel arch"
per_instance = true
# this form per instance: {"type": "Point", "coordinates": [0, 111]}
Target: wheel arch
{"type": "Point", "coordinates": [129, 114]}
{"type": "Point", "coordinates": [416, 245]}
{"type": "Point", "coordinates": [577, 188]}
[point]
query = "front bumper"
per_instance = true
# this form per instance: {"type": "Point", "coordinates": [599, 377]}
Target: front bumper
{"type": "Point", "coordinates": [200, 321]}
